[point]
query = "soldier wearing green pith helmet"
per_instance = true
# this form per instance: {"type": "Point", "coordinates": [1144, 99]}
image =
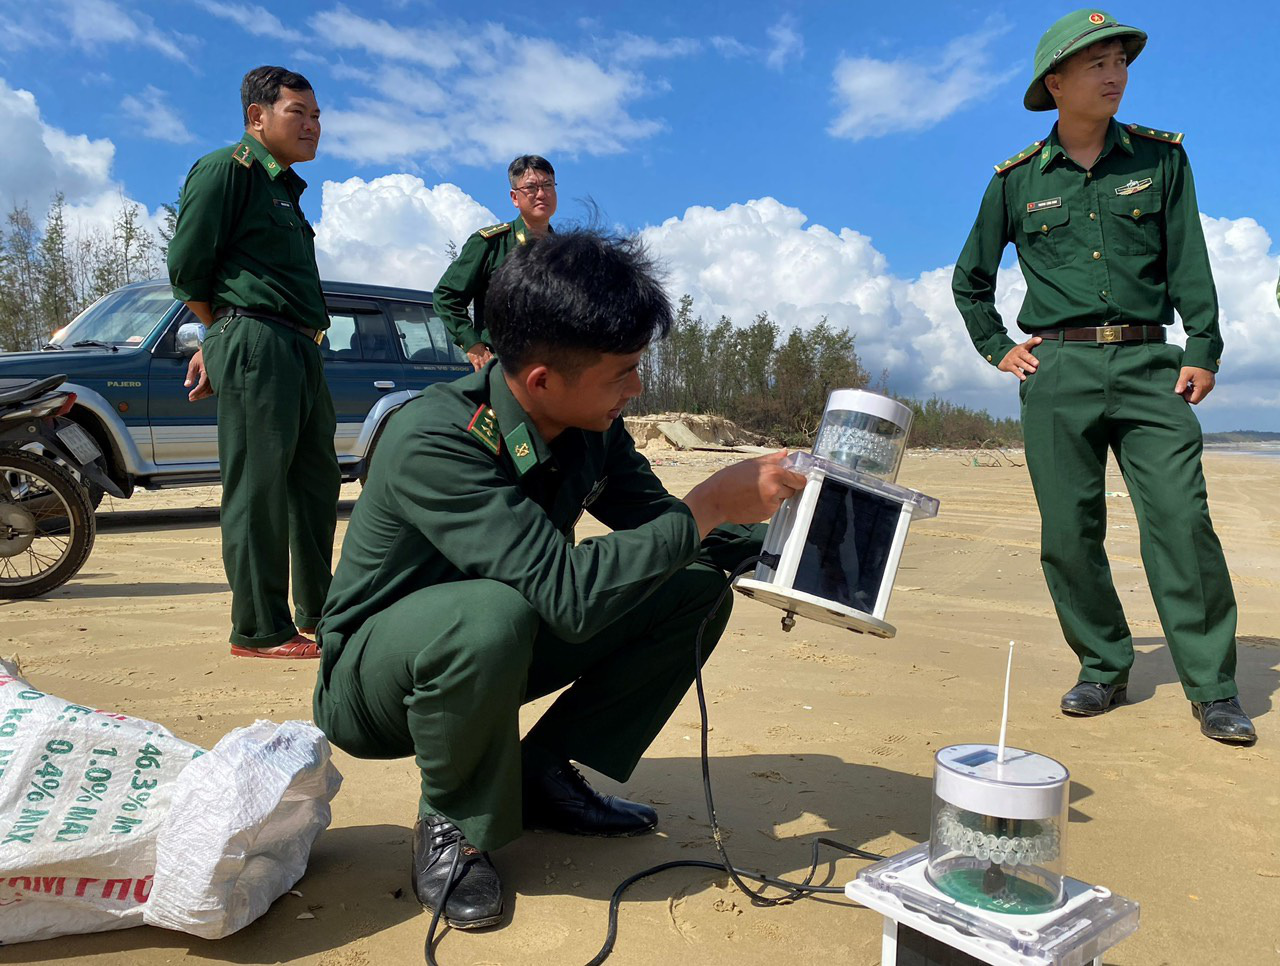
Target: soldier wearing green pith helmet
{"type": "Point", "coordinates": [1107, 230]}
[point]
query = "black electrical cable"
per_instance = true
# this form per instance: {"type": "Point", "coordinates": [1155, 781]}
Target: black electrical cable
{"type": "Point", "coordinates": [794, 890]}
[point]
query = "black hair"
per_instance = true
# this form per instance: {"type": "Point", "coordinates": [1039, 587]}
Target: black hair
{"type": "Point", "coordinates": [262, 86]}
{"type": "Point", "coordinates": [568, 297]}
{"type": "Point", "coordinates": [522, 165]}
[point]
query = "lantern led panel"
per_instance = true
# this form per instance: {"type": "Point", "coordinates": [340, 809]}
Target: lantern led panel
{"type": "Point", "coordinates": [998, 829]}
{"type": "Point", "coordinates": [865, 432]}
{"type": "Point", "coordinates": [838, 543]}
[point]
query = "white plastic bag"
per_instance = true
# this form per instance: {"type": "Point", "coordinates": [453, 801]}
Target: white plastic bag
{"type": "Point", "coordinates": [82, 797]}
{"type": "Point", "coordinates": [105, 822]}
{"type": "Point", "coordinates": [240, 828]}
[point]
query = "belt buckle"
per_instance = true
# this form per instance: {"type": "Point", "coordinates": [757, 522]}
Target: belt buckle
{"type": "Point", "coordinates": [317, 336]}
{"type": "Point", "coordinates": [1108, 333]}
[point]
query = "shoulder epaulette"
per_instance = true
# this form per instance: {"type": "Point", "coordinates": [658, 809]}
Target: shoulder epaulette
{"type": "Point", "coordinates": [484, 427]}
{"type": "Point", "coordinates": [1168, 137]}
{"type": "Point", "coordinates": [243, 155]}
{"type": "Point", "coordinates": [493, 231]}
{"type": "Point", "coordinates": [1026, 154]}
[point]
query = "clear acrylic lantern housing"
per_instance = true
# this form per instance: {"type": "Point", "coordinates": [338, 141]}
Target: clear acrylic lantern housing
{"type": "Point", "coordinates": [864, 432]}
{"type": "Point", "coordinates": [998, 829]}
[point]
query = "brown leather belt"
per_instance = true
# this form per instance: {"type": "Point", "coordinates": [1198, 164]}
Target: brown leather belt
{"type": "Point", "coordinates": [231, 312]}
{"type": "Point", "coordinates": [1107, 333]}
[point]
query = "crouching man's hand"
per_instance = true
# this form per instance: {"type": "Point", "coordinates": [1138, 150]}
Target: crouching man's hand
{"type": "Point", "coordinates": [746, 492]}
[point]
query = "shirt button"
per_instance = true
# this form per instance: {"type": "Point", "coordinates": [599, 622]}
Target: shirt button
{"type": "Point", "coordinates": [1097, 254]}
{"type": "Point", "coordinates": [1137, 212]}
{"type": "Point", "coordinates": [1103, 293]}
{"type": "Point", "coordinates": [1093, 216]}
{"type": "Point", "coordinates": [1088, 175]}
{"type": "Point", "coordinates": [988, 358]}
{"type": "Point", "coordinates": [1044, 227]}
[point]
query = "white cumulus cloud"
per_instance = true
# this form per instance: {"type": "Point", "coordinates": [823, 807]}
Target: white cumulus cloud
{"type": "Point", "coordinates": [393, 230]}
{"type": "Point", "coordinates": [878, 97]}
{"type": "Point", "coordinates": [763, 256]}
{"type": "Point", "coordinates": [41, 160]}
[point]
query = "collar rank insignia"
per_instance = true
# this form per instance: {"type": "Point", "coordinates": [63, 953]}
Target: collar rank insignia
{"type": "Point", "coordinates": [484, 427]}
{"type": "Point", "coordinates": [520, 446]}
{"type": "Point", "coordinates": [1133, 187]}
{"type": "Point", "coordinates": [244, 155]}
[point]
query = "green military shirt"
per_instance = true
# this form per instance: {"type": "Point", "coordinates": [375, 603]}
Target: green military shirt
{"type": "Point", "coordinates": [466, 280]}
{"type": "Point", "coordinates": [1118, 244]}
{"type": "Point", "coordinates": [242, 240]}
{"type": "Point", "coordinates": [475, 492]}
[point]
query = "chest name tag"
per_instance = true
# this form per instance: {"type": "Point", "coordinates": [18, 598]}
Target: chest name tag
{"type": "Point", "coordinates": [1133, 187]}
{"type": "Point", "coordinates": [281, 203]}
{"type": "Point", "coordinates": [1042, 205]}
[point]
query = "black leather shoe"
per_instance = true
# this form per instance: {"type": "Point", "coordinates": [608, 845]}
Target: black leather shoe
{"type": "Point", "coordinates": [1224, 720]}
{"type": "Point", "coordinates": [1088, 698]}
{"type": "Point", "coordinates": [476, 897]}
{"type": "Point", "coordinates": [558, 798]}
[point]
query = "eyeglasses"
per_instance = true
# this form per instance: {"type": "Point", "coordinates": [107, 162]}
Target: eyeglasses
{"type": "Point", "coordinates": [532, 190]}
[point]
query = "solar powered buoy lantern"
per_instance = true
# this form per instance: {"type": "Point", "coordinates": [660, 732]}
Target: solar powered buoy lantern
{"type": "Point", "coordinates": [988, 886]}
{"type": "Point", "coordinates": [834, 547]}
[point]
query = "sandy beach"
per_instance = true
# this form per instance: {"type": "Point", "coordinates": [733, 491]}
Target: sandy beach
{"type": "Point", "coordinates": [818, 731]}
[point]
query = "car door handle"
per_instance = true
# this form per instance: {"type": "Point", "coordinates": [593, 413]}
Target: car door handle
{"type": "Point", "coordinates": [383, 384]}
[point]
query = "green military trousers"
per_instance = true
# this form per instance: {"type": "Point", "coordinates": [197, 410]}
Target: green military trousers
{"type": "Point", "coordinates": [442, 673]}
{"type": "Point", "coordinates": [1084, 399]}
{"type": "Point", "coordinates": [280, 475]}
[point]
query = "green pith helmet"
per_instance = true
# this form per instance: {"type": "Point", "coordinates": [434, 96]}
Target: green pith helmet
{"type": "Point", "coordinates": [1070, 35]}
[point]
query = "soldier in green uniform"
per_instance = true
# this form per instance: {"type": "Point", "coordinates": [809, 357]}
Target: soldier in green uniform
{"type": "Point", "coordinates": [243, 259]}
{"type": "Point", "coordinates": [466, 280]}
{"type": "Point", "coordinates": [1107, 230]}
{"type": "Point", "coordinates": [460, 594]}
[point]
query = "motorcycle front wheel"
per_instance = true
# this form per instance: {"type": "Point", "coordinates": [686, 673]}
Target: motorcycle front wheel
{"type": "Point", "coordinates": [47, 525]}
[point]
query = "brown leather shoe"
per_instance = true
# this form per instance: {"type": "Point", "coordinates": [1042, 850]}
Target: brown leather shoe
{"type": "Point", "coordinates": [296, 649]}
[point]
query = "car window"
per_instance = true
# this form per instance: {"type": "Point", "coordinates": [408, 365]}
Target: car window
{"type": "Point", "coordinates": [356, 335]}
{"type": "Point", "coordinates": [124, 317]}
{"type": "Point", "coordinates": [423, 335]}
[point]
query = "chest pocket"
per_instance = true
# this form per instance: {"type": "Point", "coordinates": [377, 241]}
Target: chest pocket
{"type": "Point", "coordinates": [1047, 236]}
{"type": "Point", "coordinates": [289, 228]}
{"type": "Point", "coordinates": [1136, 222]}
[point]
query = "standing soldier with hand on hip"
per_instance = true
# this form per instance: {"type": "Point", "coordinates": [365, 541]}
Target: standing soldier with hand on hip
{"type": "Point", "coordinates": [243, 260]}
{"type": "Point", "coordinates": [466, 280]}
{"type": "Point", "coordinates": [1108, 235]}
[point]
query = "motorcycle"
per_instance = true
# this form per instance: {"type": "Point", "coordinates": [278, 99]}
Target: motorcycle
{"type": "Point", "coordinates": [47, 462]}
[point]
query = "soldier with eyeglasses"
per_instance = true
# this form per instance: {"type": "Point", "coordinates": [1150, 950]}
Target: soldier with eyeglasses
{"type": "Point", "coordinates": [533, 193]}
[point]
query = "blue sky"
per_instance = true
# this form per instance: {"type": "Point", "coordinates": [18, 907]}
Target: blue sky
{"type": "Point", "coordinates": [877, 123]}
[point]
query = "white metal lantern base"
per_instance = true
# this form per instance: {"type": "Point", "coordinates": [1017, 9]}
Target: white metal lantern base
{"type": "Point", "coordinates": [837, 545]}
{"type": "Point", "coordinates": [797, 602]}
{"type": "Point", "coordinates": [1090, 920]}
